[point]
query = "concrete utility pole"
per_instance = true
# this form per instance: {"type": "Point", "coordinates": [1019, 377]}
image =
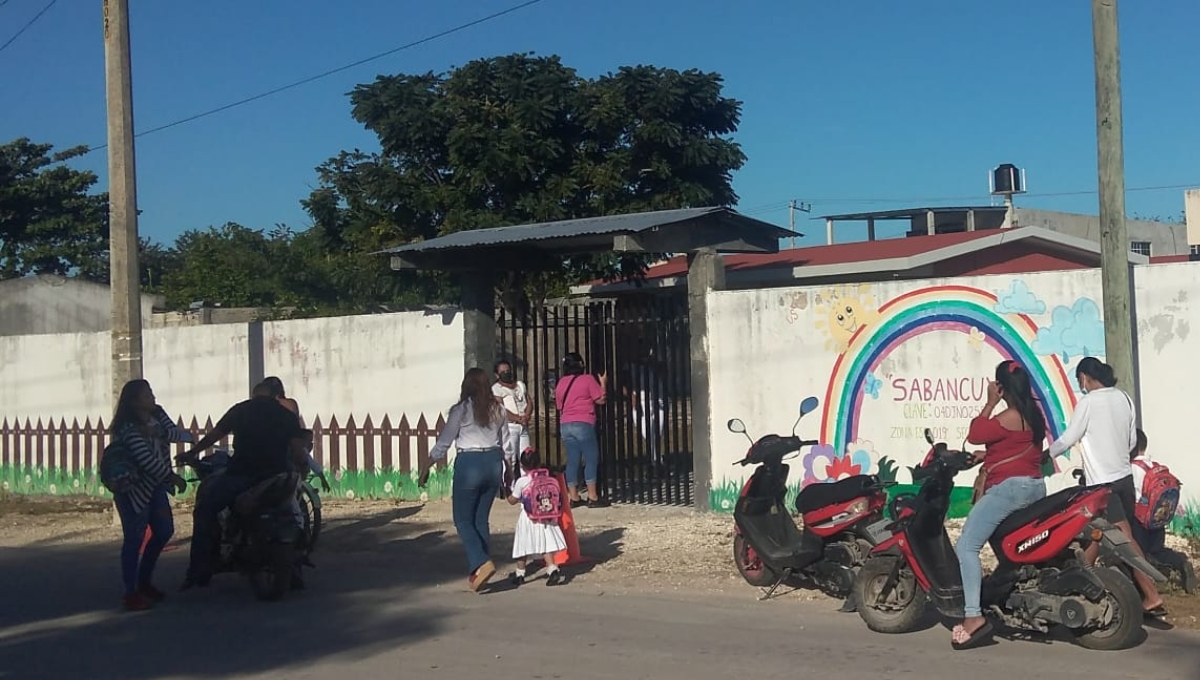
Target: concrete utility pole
{"type": "Point", "coordinates": [1114, 243]}
{"type": "Point", "coordinates": [122, 199]}
{"type": "Point", "coordinates": [793, 206]}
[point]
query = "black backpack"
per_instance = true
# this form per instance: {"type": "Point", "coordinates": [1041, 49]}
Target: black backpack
{"type": "Point", "coordinates": [118, 472]}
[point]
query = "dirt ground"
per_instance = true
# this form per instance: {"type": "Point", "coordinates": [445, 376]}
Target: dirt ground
{"type": "Point", "coordinates": [634, 548]}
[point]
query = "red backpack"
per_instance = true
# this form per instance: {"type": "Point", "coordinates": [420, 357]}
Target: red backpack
{"type": "Point", "coordinates": [1159, 496]}
{"type": "Point", "coordinates": [542, 499]}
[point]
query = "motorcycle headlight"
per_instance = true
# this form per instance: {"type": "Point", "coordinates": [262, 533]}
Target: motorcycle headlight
{"type": "Point", "coordinates": [858, 507]}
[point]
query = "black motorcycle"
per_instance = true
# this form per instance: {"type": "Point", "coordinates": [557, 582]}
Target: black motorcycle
{"type": "Point", "coordinates": [259, 534]}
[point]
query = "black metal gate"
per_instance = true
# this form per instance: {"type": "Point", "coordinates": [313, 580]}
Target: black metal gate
{"type": "Point", "coordinates": [642, 342]}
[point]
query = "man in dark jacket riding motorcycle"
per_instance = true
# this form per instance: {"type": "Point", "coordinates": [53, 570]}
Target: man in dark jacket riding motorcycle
{"type": "Point", "coordinates": [267, 441]}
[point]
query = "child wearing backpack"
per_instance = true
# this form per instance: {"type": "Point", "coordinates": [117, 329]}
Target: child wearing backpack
{"type": "Point", "coordinates": [1158, 498]}
{"type": "Point", "coordinates": [537, 531]}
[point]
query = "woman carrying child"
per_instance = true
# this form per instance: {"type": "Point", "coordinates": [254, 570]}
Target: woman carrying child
{"type": "Point", "coordinates": [541, 536]}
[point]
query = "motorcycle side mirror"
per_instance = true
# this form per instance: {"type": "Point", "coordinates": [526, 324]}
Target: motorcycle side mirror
{"type": "Point", "coordinates": [809, 405]}
{"type": "Point", "coordinates": [736, 426]}
{"type": "Point", "coordinates": [928, 435]}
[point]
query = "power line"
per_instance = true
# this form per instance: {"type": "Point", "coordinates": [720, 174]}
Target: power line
{"type": "Point", "coordinates": [4, 2]}
{"type": "Point", "coordinates": [325, 74]}
{"type": "Point", "coordinates": [27, 25]}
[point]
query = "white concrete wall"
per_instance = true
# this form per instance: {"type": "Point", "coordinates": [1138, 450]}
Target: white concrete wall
{"type": "Point", "coordinates": [887, 360]}
{"type": "Point", "coordinates": [47, 304]}
{"type": "Point", "coordinates": [405, 363]}
{"type": "Point", "coordinates": [395, 365]}
{"type": "Point", "coordinates": [198, 370]}
{"type": "Point", "coordinates": [60, 376]}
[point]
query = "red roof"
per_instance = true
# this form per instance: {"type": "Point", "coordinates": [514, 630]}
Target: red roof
{"type": "Point", "coordinates": [1165, 259]}
{"type": "Point", "coordinates": [838, 253]}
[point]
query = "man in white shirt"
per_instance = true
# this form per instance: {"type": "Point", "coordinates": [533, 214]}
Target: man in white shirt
{"type": "Point", "coordinates": [519, 408]}
{"type": "Point", "coordinates": [1105, 426]}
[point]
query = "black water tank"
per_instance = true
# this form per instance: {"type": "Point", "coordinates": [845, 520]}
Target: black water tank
{"type": "Point", "coordinates": [1006, 179]}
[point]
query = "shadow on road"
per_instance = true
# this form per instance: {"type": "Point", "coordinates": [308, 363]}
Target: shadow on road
{"type": "Point", "coordinates": [61, 616]}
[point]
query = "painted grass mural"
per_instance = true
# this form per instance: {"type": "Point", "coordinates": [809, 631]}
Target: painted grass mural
{"type": "Point", "coordinates": [380, 485]}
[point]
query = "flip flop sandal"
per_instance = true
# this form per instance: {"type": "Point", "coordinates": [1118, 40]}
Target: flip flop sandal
{"type": "Point", "coordinates": [981, 634]}
{"type": "Point", "coordinates": [1159, 612]}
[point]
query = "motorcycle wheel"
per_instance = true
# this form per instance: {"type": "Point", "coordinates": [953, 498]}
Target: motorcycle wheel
{"type": "Point", "coordinates": [311, 510]}
{"type": "Point", "coordinates": [270, 581]}
{"type": "Point", "coordinates": [750, 566]}
{"type": "Point", "coordinates": [905, 605]}
{"type": "Point", "coordinates": [1125, 627]}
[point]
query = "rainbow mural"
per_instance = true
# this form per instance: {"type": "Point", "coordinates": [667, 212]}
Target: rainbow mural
{"type": "Point", "coordinates": [941, 308]}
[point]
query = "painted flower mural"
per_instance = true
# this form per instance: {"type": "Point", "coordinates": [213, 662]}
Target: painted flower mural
{"type": "Point", "coordinates": [822, 464]}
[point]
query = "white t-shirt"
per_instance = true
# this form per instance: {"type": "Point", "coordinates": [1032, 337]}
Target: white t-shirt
{"type": "Point", "coordinates": [521, 485]}
{"type": "Point", "coordinates": [1139, 475]}
{"type": "Point", "coordinates": [1104, 425]}
{"type": "Point", "coordinates": [516, 399]}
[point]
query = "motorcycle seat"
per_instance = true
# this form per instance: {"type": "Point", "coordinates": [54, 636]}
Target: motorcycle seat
{"type": "Point", "coordinates": [271, 491]}
{"type": "Point", "coordinates": [817, 496]}
{"type": "Point", "coordinates": [1047, 506]}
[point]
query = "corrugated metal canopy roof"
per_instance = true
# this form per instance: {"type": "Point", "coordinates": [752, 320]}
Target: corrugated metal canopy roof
{"type": "Point", "coordinates": [674, 231]}
{"type": "Point", "coordinates": [587, 226]}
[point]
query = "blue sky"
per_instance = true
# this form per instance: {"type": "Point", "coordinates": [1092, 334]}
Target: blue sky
{"type": "Point", "coordinates": [850, 106]}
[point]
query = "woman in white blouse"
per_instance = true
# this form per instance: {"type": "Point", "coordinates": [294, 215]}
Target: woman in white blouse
{"type": "Point", "coordinates": [1105, 422]}
{"type": "Point", "coordinates": [478, 428]}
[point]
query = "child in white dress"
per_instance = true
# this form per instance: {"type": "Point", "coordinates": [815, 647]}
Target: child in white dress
{"type": "Point", "coordinates": [534, 538]}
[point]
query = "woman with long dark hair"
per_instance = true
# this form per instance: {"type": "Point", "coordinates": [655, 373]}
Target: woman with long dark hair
{"type": "Point", "coordinates": [143, 429]}
{"type": "Point", "coordinates": [1010, 479]}
{"type": "Point", "coordinates": [478, 427]}
{"type": "Point", "coordinates": [1104, 420]}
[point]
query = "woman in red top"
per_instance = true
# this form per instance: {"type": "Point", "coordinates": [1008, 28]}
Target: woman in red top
{"type": "Point", "coordinates": [1012, 457]}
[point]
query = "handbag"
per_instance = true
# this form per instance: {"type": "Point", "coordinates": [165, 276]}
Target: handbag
{"type": "Point", "coordinates": [566, 393]}
{"type": "Point", "coordinates": [981, 479]}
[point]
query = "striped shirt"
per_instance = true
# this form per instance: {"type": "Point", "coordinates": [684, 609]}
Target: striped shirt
{"type": "Point", "coordinates": [152, 456]}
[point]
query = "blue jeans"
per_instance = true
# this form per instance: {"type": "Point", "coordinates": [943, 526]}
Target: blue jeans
{"type": "Point", "coordinates": [477, 478]}
{"type": "Point", "coordinates": [214, 495]}
{"type": "Point", "coordinates": [580, 442]}
{"type": "Point", "coordinates": [997, 504]}
{"type": "Point", "coordinates": [156, 515]}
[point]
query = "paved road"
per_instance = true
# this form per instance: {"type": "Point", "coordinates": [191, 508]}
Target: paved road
{"type": "Point", "coordinates": [369, 615]}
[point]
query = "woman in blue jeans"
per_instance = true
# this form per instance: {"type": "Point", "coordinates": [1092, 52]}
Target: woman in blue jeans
{"type": "Point", "coordinates": [143, 430]}
{"type": "Point", "coordinates": [577, 395]}
{"type": "Point", "coordinates": [478, 427]}
{"type": "Point", "coordinates": [1012, 461]}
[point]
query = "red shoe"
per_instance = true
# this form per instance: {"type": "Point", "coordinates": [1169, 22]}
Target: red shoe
{"type": "Point", "coordinates": [137, 602]}
{"type": "Point", "coordinates": [152, 593]}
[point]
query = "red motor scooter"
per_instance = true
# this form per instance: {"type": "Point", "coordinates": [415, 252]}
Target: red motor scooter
{"type": "Point", "coordinates": [842, 520]}
{"type": "Point", "coordinates": [1041, 580]}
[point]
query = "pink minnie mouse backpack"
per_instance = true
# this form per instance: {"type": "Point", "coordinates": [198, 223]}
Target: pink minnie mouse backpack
{"type": "Point", "coordinates": [542, 500]}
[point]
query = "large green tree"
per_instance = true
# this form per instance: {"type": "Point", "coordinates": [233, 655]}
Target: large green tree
{"type": "Point", "coordinates": [516, 139]}
{"type": "Point", "coordinates": [50, 223]}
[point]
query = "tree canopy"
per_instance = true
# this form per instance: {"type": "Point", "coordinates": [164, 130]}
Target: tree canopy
{"type": "Point", "coordinates": [519, 139]}
{"type": "Point", "coordinates": [49, 222]}
{"type": "Point", "coordinates": [499, 141]}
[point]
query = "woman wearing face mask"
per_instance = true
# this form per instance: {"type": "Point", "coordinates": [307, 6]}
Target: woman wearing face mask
{"type": "Point", "coordinates": [1104, 421]}
{"type": "Point", "coordinates": [519, 409]}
